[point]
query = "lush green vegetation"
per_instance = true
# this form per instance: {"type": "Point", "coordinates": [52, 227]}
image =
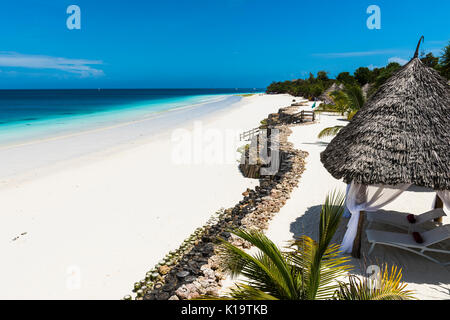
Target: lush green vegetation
{"type": "Point", "coordinates": [310, 88]}
{"type": "Point", "coordinates": [310, 270]}
{"type": "Point", "coordinates": [346, 101]}
{"type": "Point", "coordinates": [314, 86]}
{"type": "Point", "coordinates": [444, 62]}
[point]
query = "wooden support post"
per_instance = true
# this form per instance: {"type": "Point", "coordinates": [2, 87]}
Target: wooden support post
{"type": "Point", "coordinates": [438, 204]}
{"type": "Point", "coordinates": [269, 144]}
{"type": "Point", "coordinates": [356, 250]}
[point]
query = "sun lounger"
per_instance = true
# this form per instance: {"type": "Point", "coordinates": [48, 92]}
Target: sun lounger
{"type": "Point", "coordinates": [399, 220]}
{"type": "Point", "coordinates": [406, 241]}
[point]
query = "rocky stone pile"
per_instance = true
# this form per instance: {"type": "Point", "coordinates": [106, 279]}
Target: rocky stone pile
{"type": "Point", "coordinates": [284, 115]}
{"type": "Point", "coordinates": [194, 269]}
{"type": "Point", "coordinates": [287, 115]}
{"type": "Point", "coordinates": [255, 156]}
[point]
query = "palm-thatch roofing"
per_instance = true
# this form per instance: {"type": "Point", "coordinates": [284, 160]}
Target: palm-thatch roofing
{"type": "Point", "coordinates": [401, 135]}
{"type": "Point", "coordinates": [325, 96]}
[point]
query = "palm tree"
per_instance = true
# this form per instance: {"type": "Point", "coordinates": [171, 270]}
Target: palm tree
{"type": "Point", "coordinates": [355, 97]}
{"type": "Point", "coordinates": [349, 100]}
{"type": "Point", "coordinates": [309, 270]}
{"type": "Point", "coordinates": [356, 100]}
{"type": "Point", "coordinates": [341, 101]}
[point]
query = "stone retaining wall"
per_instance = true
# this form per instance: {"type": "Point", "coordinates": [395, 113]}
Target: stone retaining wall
{"type": "Point", "coordinates": [194, 269]}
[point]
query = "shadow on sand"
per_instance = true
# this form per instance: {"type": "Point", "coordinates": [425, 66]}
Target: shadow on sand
{"type": "Point", "coordinates": [415, 269]}
{"type": "Point", "coordinates": [318, 143]}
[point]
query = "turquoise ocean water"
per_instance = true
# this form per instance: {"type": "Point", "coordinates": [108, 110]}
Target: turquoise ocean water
{"type": "Point", "coordinates": [34, 114]}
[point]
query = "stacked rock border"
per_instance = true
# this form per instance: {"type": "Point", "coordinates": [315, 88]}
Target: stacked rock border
{"type": "Point", "coordinates": [194, 269]}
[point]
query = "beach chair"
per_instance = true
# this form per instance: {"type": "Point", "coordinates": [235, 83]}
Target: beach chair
{"type": "Point", "coordinates": [399, 220]}
{"type": "Point", "coordinates": [407, 242]}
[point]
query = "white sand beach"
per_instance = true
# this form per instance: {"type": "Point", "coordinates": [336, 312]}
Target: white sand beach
{"type": "Point", "coordinates": [90, 226]}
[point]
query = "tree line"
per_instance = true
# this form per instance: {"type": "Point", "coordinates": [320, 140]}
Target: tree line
{"type": "Point", "coordinates": [314, 86]}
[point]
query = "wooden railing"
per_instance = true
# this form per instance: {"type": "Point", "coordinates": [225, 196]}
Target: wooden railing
{"type": "Point", "coordinates": [305, 115]}
{"type": "Point", "coordinates": [302, 116]}
{"type": "Point", "coordinates": [248, 135]}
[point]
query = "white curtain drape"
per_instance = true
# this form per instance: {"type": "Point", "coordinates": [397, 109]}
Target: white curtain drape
{"type": "Point", "coordinates": [366, 198]}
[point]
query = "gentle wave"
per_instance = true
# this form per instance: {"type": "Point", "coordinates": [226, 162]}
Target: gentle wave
{"type": "Point", "coordinates": [89, 109]}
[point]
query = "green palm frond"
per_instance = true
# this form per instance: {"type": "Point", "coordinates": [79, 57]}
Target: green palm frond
{"type": "Point", "coordinates": [388, 287]}
{"type": "Point", "coordinates": [351, 114]}
{"type": "Point", "coordinates": [271, 254]}
{"type": "Point", "coordinates": [321, 261]}
{"type": "Point", "coordinates": [308, 270]}
{"type": "Point", "coordinates": [267, 271]}
{"type": "Point", "coordinates": [330, 131]}
{"type": "Point", "coordinates": [351, 99]}
{"type": "Point", "coordinates": [341, 101]}
{"type": "Point", "coordinates": [330, 217]}
{"type": "Point", "coordinates": [355, 97]}
{"type": "Point", "coordinates": [319, 278]}
{"type": "Point", "coordinates": [241, 291]}
{"type": "Point", "coordinates": [339, 97]}
{"type": "Point", "coordinates": [245, 292]}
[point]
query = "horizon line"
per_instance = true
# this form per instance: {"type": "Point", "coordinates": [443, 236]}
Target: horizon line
{"type": "Point", "coordinates": [231, 88]}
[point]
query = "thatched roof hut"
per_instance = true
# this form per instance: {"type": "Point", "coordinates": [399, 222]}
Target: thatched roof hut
{"type": "Point", "coordinates": [400, 136]}
{"type": "Point", "coordinates": [325, 96]}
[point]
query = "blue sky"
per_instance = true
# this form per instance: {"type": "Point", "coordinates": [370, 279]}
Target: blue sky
{"type": "Point", "coordinates": [206, 43]}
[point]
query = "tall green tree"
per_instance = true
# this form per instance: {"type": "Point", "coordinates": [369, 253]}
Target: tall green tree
{"type": "Point", "coordinates": [386, 73]}
{"type": "Point", "coordinates": [445, 62]}
{"type": "Point", "coordinates": [322, 76]}
{"type": "Point", "coordinates": [345, 78]}
{"type": "Point", "coordinates": [363, 75]}
{"type": "Point", "coordinates": [430, 60]}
